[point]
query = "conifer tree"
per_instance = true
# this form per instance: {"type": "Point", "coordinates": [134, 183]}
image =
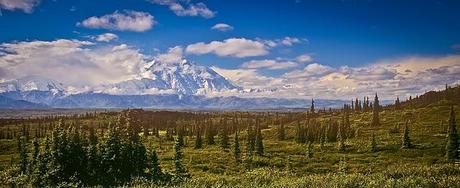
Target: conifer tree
{"type": "Point", "coordinates": [155, 170]}
{"type": "Point", "coordinates": [373, 144]}
{"type": "Point", "coordinates": [180, 170]}
{"type": "Point", "coordinates": [406, 142]}
{"type": "Point", "coordinates": [375, 112]}
{"type": "Point", "coordinates": [198, 139]}
{"type": "Point", "coordinates": [312, 107]}
{"type": "Point", "coordinates": [209, 135]}
{"type": "Point", "coordinates": [452, 146]}
{"type": "Point", "coordinates": [224, 136]}
{"type": "Point", "coordinates": [259, 140]}
{"type": "Point", "coordinates": [250, 140]}
{"type": "Point", "coordinates": [23, 158]}
{"type": "Point", "coordinates": [93, 158]}
{"type": "Point", "coordinates": [237, 150]}
{"type": "Point", "coordinates": [35, 153]}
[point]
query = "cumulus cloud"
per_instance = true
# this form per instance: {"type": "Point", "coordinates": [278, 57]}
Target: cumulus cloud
{"type": "Point", "coordinates": [222, 27]}
{"type": "Point", "coordinates": [286, 41]}
{"type": "Point", "coordinates": [249, 78]}
{"type": "Point", "coordinates": [174, 55]}
{"type": "Point", "coordinates": [185, 8]}
{"type": "Point", "coordinates": [24, 5]}
{"type": "Point", "coordinates": [305, 58]}
{"type": "Point", "coordinates": [75, 63]}
{"type": "Point", "coordinates": [235, 47]}
{"type": "Point", "coordinates": [269, 64]}
{"type": "Point", "coordinates": [106, 37]}
{"type": "Point", "coordinates": [390, 78]}
{"type": "Point", "coordinates": [126, 21]}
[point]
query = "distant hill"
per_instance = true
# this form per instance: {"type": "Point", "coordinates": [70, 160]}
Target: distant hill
{"type": "Point", "coordinates": [450, 95]}
{"type": "Point", "coordinates": [21, 104]}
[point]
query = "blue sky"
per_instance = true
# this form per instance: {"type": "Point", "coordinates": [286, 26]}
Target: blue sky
{"type": "Point", "coordinates": [338, 32]}
{"type": "Point", "coordinates": [332, 33]}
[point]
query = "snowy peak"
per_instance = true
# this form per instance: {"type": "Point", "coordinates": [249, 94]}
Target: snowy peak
{"type": "Point", "coordinates": [182, 77]}
{"type": "Point", "coordinates": [32, 83]}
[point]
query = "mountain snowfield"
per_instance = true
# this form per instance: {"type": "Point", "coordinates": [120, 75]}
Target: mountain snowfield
{"type": "Point", "coordinates": [170, 85]}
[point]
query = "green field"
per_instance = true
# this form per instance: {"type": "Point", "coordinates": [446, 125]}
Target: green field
{"type": "Point", "coordinates": [285, 163]}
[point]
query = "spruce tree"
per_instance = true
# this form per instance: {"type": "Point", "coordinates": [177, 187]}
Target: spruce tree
{"type": "Point", "coordinates": [224, 136]}
{"type": "Point", "coordinates": [237, 150]}
{"type": "Point", "coordinates": [35, 153]}
{"type": "Point", "coordinates": [209, 135]}
{"type": "Point", "coordinates": [23, 158]}
{"type": "Point", "coordinates": [180, 170]}
{"type": "Point", "coordinates": [155, 170]}
{"type": "Point", "coordinates": [452, 146]}
{"type": "Point", "coordinates": [259, 140]}
{"type": "Point", "coordinates": [406, 142]}
{"type": "Point", "coordinates": [373, 144]}
{"type": "Point", "coordinates": [375, 112]}
{"type": "Point", "coordinates": [312, 107]}
{"type": "Point", "coordinates": [250, 140]}
{"type": "Point", "coordinates": [198, 139]}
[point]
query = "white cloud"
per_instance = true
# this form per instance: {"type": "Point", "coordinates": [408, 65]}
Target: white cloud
{"type": "Point", "coordinates": [249, 78]}
{"type": "Point", "coordinates": [235, 47]}
{"type": "Point", "coordinates": [305, 58]}
{"type": "Point", "coordinates": [286, 41]}
{"type": "Point", "coordinates": [106, 37]}
{"type": "Point", "coordinates": [390, 78]}
{"type": "Point", "coordinates": [269, 64]}
{"type": "Point", "coordinates": [185, 8]}
{"type": "Point", "coordinates": [24, 5]}
{"type": "Point", "coordinates": [127, 21]}
{"type": "Point", "coordinates": [289, 41]}
{"type": "Point", "coordinates": [75, 63]}
{"type": "Point", "coordinates": [174, 55]}
{"type": "Point", "coordinates": [222, 27]}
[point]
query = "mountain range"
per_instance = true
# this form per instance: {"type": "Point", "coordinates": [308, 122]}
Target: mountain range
{"type": "Point", "coordinates": [178, 85]}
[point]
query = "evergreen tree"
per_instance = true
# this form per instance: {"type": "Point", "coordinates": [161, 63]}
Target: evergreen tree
{"type": "Point", "coordinates": [35, 153]}
{"type": "Point", "coordinates": [209, 135]}
{"type": "Point", "coordinates": [93, 158]}
{"type": "Point", "coordinates": [406, 144]}
{"type": "Point", "coordinates": [155, 170]}
{"type": "Point", "coordinates": [198, 140]}
{"type": "Point", "coordinates": [237, 150]}
{"type": "Point", "coordinates": [23, 158]}
{"type": "Point", "coordinates": [224, 136]}
{"type": "Point", "coordinates": [111, 157]}
{"type": "Point", "coordinates": [452, 146]}
{"type": "Point", "coordinates": [250, 140]}
{"type": "Point", "coordinates": [312, 107]}
{"type": "Point", "coordinates": [180, 171]}
{"type": "Point", "coordinates": [375, 112]}
{"type": "Point", "coordinates": [373, 144]}
{"type": "Point", "coordinates": [259, 140]}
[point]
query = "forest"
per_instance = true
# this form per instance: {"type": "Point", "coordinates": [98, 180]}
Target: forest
{"type": "Point", "coordinates": [410, 143]}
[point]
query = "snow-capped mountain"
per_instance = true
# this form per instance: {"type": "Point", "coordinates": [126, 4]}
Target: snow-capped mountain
{"type": "Point", "coordinates": [32, 83]}
{"type": "Point", "coordinates": [179, 78]}
{"type": "Point", "coordinates": [164, 85]}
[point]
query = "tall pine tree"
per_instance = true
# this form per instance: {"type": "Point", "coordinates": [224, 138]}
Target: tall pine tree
{"type": "Point", "coordinates": [452, 146]}
{"type": "Point", "coordinates": [375, 112]}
